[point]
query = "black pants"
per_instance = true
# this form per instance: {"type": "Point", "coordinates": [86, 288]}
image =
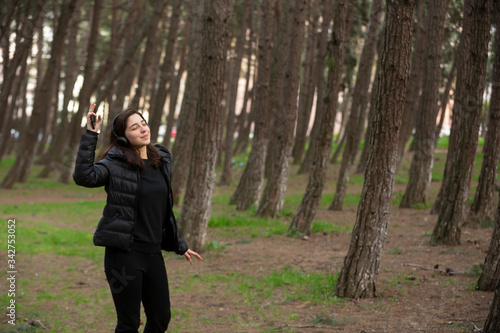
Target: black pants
{"type": "Point", "coordinates": [134, 277]}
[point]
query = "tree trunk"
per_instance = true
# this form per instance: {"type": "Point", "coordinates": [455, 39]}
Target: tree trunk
{"type": "Point", "coordinates": [319, 76]}
{"type": "Point", "coordinates": [416, 78]}
{"type": "Point", "coordinates": [445, 98]}
{"type": "Point", "coordinates": [490, 275]}
{"type": "Point", "coordinates": [54, 157]}
{"type": "Point", "coordinates": [361, 265]}
{"type": "Point", "coordinates": [183, 144]}
{"type": "Point", "coordinates": [175, 84]}
{"type": "Point", "coordinates": [483, 207]}
{"type": "Point", "coordinates": [250, 184]}
{"type": "Point", "coordinates": [196, 207]}
{"type": "Point", "coordinates": [276, 97]}
{"type": "Point", "coordinates": [307, 87]}
{"type": "Point", "coordinates": [84, 96]}
{"type": "Point", "coordinates": [363, 159]}
{"type": "Point", "coordinates": [274, 192]}
{"type": "Point", "coordinates": [360, 94]}
{"type": "Point", "coordinates": [465, 123]}
{"type": "Point", "coordinates": [235, 71]}
{"type": "Point", "coordinates": [461, 58]}
{"type": "Point", "coordinates": [147, 55]}
{"type": "Point", "coordinates": [243, 118]}
{"type": "Point", "coordinates": [303, 219]}
{"type": "Point", "coordinates": [26, 29]}
{"type": "Point", "coordinates": [42, 101]}
{"type": "Point", "coordinates": [425, 138]}
{"type": "Point", "coordinates": [166, 72]}
{"type": "Point", "coordinates": [493, 321]}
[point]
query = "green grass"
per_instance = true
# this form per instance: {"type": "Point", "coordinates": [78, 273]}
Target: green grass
{"type": "Point", "coordinates": [329, 227]}
{"type": "Point", "coordinates": [291, 284]}
{"type": "Point", "coordinates": [41, 237]}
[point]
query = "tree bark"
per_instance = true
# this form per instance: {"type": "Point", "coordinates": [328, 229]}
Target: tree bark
{"type": "Point", "coordinates": [41, 104]}
{"type": "Point", "coordinates": [196, 207]}
{"type": "Point", "coordinates": [175, 84]}
{"type": "Point", "coordinates": [235, 71]}
{"type": "Point", "coordinates": [483, 207]}
{"type": "Point", "coordinates": [26, 29]}
{"type": "Point", "coordinates": [416, 78]}
{"type": "Point", "coordinates": [425, 135]}
{"type": "Point", "coordinates": [493, 320]}
{"type": "Point", "coordinates": [166, 72]}
{"type": "Point", "coordinates": [274, 192]}
{"type": "Point", "coordinates": [461, 58]}
{"type": "Point", "coordinates": [183, 144]}
{"type": "Point", "coordinates": [307, 86]}
{"type": "Point", "coordinates": [363, 159]}
{"type": "Point", "coordinates": [360, 94]}
{"type": "Point", "coordinates": [357, 277]}
{"type": "Point", "coordinates": [147, 55]}
{"type": "Point", "coordinates": [490, 276]}
{"type": "Point", "coordinates": [250, 184]}
{"type": "Point", "coordinates": [303, 219]}
{"type": "Point", "coordinates": [465, 123]}
{"type": "Point", "coordinates": [278, 69]}
{"type": "Point", "coordinates": [54, 157]}
{"type": "Point", "coordinates": [319, 76]}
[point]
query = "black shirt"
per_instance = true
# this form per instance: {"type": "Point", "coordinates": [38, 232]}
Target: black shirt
{"type": "Point", "coordinates": [152, 210]}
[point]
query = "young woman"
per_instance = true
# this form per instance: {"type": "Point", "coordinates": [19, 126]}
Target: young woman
{"type": "Point", "coordinates": [137, 221]}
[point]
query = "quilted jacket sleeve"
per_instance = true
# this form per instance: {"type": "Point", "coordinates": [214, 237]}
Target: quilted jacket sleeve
{"type": "Point", "coordinates": [86, 172]}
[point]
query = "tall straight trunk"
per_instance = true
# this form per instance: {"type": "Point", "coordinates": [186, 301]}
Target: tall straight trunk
{"type": "Point", "coordinates": [250, 184]}
{"type": "Point", "coordinates": [490, 276]}
{"type": "Point", "coordinates": [148, 54]}
{"type": "Point", "coordinates": [465, 123]}
{"type": "Point", "coordinates": [166, 72]}
{"type": "Point", "coordinates": [306, 212]}
{"type": "Point", "coordinates": [462, 59]}
{"type": "Point", "coordinates": [360, 94]}
{"type": "Point", "coordinates": [42, 101]}
{"type": "Point", "coordinates": [276, 97]}
{"type": "Point", "coordinates": [274, 192]}
{"type": "Point", "coordinates": [363, 159]}
{"type": "Point", "coordinates": [196, 207]}
{"type": "Point", "coordinates": [55, 154]}
{"type": "Point", "coordinates": [425, 138]}
{"type": "Point", "coordinates": [320, 84]}
{"type": "Point", "coordinates": [26, 28]}
{"type": "Point", "coordinates": [483, 207]}
{"type": "Point", "coordinates": [357, 277]}
{"type": "Point", "coordinates": [416, 78]}
{"type": "Point", "coordinates": [239, 49]}
{"type": "Point", "coordinates": [183, 144]}
{"type": "Point", "coordinates": [307, 86]}
{"type": "Point", "coordinates": [16, 92]}
{"type": "Point", "coordinates": [174, 88]}
{"type": "Point", "coordinates": [119, 83]}
{"type": "Point", "coordinates": [89, 78]}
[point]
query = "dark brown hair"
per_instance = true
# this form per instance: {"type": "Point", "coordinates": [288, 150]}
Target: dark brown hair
{"type": "Point", "coordinates": [131, 154]}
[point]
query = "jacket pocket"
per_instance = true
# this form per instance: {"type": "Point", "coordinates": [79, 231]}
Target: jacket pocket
{"type": "Point", "coordinates": [104, 223]}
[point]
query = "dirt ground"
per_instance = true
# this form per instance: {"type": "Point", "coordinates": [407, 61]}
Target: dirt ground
{"type": "Point", "coordinates": [414, 292]}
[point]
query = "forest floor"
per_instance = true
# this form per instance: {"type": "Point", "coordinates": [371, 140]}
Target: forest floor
{"type": "Point", "coordinates": [253, 277]}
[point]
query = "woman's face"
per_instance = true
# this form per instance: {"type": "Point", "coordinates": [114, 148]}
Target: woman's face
{"type": "Point", "coordinates": [137, 131]}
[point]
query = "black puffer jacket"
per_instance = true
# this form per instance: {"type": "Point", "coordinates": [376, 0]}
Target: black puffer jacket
{"type": "Point", "coordinates": [115, 229]}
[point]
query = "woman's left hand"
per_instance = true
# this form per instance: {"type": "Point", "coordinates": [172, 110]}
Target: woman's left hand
{"type": "Point", "coordinates": [190, 253]}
